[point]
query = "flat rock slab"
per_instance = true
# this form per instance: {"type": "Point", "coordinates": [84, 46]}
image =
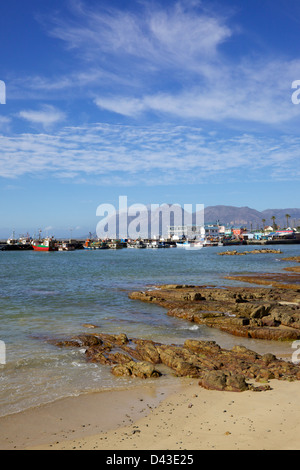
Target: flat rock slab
{"type": "Point", "coordinates": [261, 313]}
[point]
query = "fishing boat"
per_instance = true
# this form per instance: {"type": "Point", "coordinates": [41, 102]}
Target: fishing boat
{"type": "Point", "coordinates": [12, 240]}
{"type": "Point", "coordinates": [13, 244]}
{"type": "Point", "coordinates": [65, 246]}
{"type": "Point", "coordinates": [155, 244]}
{"type": "Point", "coordinates": [102, 245]}
{"type": "Point", "coordinates": [89, 245]}
{"type": "Point", "coordinates": [182, 244]}
{"type": "Point", "coordinates": [136, 244]}
{"type": "Point", "coordinates": [194, 245]}
{"type": "Point", "coordinates": [47, 244]}
{"type": "Point", "coordinates": [24, 240]}
{"type": "Point", "coordinates": [115, 245]}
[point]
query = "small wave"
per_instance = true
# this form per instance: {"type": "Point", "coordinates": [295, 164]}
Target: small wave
{"type": "Point", "coordinates": [191, 328]}
{"type": "Point", "coordinates": [40, 361]}
{"type": "Point", "coordinates": [43, 292]}
{"type": "Point", "coordinates": [229, 314]}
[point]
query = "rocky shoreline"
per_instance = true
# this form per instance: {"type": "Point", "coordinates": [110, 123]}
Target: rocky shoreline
{"type": "Point", "coordinates": [214, 367]}
{"type": "Point", "coordinates": [251, 252]}
{"type": "Point", "coordinates": [252, 312]}
{"type": "Point", "coordinates": [288, 280]}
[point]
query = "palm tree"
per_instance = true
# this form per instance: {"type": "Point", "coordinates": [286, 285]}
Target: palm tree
{"type": "Point", "coordinates": [263, 221]}
{"type": "Point", "coordinates": [273, 219]}
{"type": "Point", "coordinates": [287, 219]}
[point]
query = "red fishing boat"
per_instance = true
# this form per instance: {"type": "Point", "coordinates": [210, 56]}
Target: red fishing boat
{"type": "Point", "coordinates": [48, 244]}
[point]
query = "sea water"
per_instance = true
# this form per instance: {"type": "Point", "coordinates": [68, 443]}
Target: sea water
{"type": "Point", "coordinates": [46, 296]}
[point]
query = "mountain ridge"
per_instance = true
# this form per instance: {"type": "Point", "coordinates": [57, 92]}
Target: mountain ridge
{"type": "Point", "coordinates": [157, 222]}
{"type": "Point", "coordinates": [234, 215]}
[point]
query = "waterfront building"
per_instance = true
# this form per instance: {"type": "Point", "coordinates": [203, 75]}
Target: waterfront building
{"type": "Point", "coordinates": [193, 232]}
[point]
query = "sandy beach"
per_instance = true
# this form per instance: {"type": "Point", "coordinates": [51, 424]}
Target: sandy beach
{"type": "Point", "coordinates": [178, 416]}
{"type": "Point", "coordinates": [170, 411]}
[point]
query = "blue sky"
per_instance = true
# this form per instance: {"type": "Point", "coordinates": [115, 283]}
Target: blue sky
{"type": "Point", "coordinates": [184, 102]}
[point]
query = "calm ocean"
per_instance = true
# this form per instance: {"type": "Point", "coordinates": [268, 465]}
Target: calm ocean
{"type": "Point", "coordinates": [51, 295]}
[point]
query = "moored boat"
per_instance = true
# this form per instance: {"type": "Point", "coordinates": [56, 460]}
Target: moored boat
{"type": "Point", "coordinates": [182, 244]}
{"type": "Point", "coordinates": [136, 244]}
{"type": "Point", "coordinates": [12, 240]}
{"type": "Point", "coordinates": [89, 245]}
{"type": "Point", "coordinates": [115, 245]}
{"type": "Point", "coordinates": [47, 244]}
{"type": "Point", "coordinates": [65, 246]}
{"type": "Point", "coordinates": [102, 245]}
{"type": "Point", "coordinates": [154, 244]}
{"type": "Point", "coordinates": [17, 244]}
{"type": "Point", "coordinates": [194, 246]}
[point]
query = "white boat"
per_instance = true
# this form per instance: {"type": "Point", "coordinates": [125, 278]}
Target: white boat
{"type": "Point", "coordinates": [194, 246]}
{"type": "Point", "coordinates": [136, 244]}
{"type": "Point", "coordinates": [182, 244]}
{"type": "Point", "coordinates": [154, 244]}
{"type": "Point", "coordinates": [115, 245]}
{"type": "Point", "coordinates": [12, 240]}
{"type": "Point", "coordinates": [66, 247]}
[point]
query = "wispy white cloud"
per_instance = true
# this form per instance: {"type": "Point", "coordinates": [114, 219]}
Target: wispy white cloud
{"type": "Point", "coordinates": [136, 50]}
{"type": "Point", "coordinates": [155, 34]}
{"type": "Point", "coordinates": [46, 117]}
{"type": "Point", "coordinates": [261, 95]}
{"type": "Point", "coordinates": [122, 105]}
{"type": "Point", "coordinates": [4, 123]}
{"type": "Point", "coordinates": [37, 87]}
{"type": "Point", "coordinates": [166, 62]}
{"type": "Point", "coordinates": [169, 60]}
{"type": "Point", "coordinates": [130, 155]}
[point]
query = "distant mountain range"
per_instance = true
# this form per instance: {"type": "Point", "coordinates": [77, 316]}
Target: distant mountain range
{"type": "Point", "coordinates": [226, 215]}
{"type": "Point", "coordinates": [231, 215]}
{"type": "Point", "coordinates": [142, 225]}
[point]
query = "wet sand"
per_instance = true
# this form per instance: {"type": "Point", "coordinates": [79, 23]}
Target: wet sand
{"type": "Point", "coordinates": [80, 417]}
{"type": "Point", "coordinates": [179, 416]}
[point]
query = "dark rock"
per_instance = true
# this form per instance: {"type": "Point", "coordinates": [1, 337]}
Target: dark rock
{"type": "Point", "coordinates": [179, 360]}
{"type": "Point", "coordinates": [88, 340]}
{"type": "Point", "coordinates": [215, 367]}
{"type": "Point", "coordinates": [213, 380]}
{"type": "Point", "coordinates": [142, 370]}
{"type": "Point", "coordinates": [148, 351]}
{"type": "Point", "coordinates": [268, 358]}
{"type": "Point", "coordinates": [66, 344]}
{"type": "Point", "coordinates": [249, 312]}
{"type": "Point", "coordinates": [223, 381]}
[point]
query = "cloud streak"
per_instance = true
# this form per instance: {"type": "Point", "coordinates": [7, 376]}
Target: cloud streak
{"type": "Point", "coordinates": [258, 93]}
{"type": "Point", "coordinates": [153, 155]}
{"type": "Point", "coordinates": [156, 35]}
{"type": "Point", "coordinates": [46, 117]}
{"type": "Point", "coordinates": [170, 61]}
